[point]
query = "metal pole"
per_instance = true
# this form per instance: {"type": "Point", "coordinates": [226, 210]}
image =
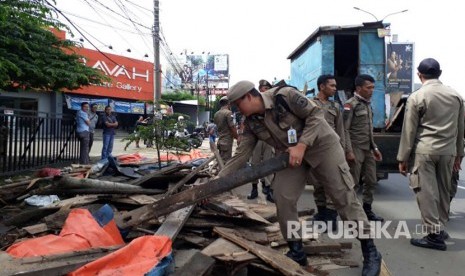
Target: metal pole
{"type": "Point", "coordinates": [156, 47]}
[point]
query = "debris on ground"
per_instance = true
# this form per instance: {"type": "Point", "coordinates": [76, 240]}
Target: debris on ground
{"type": "Point", "coordinates": [134, 216]}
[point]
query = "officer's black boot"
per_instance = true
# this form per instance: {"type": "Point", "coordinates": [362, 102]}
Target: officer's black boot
{"type": "Point", "coordinates": [296, 252]}
{"type": "Point", "coordinates": [269, 196]}
{"type": "Point", "coordinates": [265, 189]}
{"type": "Point", "coordinates": [321, 215]}
{"type": "Point", "coordinates": [254, 192]}
{"type": "Point", "coordinates": [331, 219]}
{"type": "Point", "coordinates": [370, 214]}
{"type": "Point", "coordinates": [371, 258]}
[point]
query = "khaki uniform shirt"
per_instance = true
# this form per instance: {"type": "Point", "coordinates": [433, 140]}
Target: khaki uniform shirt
{"type": "Point", "coordinates": [301, 114]}
{"type": "Point", "coordinates": [358, 124]}
{"type": "Point", "coordinates": [333, 116]}
{"type": "Point", "coordinates": [224, 121]}
{"type": "Point", "coordinates": [433, 122]}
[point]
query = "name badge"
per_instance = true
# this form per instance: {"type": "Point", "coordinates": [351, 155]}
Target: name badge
{"type": "Point", "coordinates": [291, 136]}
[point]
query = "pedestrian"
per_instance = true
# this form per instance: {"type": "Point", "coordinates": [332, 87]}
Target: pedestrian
{"type": "Point", "coordinates": [226, 130]}
{"type": "Point", "coordinates": [82, 130]}
{"type": "Point", "coordinates": [212, 131]}
{"type": "Point", "coordinates": [140, 122]}
{"type": "Point", "coordinates": [262, 152]}
{"type": "Point", "coordinates": [109, 125]}
{"type": "Point", "coordinates": [93, 118]}
{"type": "Point", "coordinates": [327, 87]}
{"type": "Point", "coordinates": [361, 150]}
{"type": "Point", "coordinates": [275, 116]}
{"type": "Point", "coordinates": [432, 134]}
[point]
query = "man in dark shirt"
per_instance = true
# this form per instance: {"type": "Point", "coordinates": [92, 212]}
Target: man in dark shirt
{"type": "Point", "coordinates": [109, 125]}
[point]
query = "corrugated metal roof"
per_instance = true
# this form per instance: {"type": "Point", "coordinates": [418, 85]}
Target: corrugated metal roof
{"type": "Point", "coordinates": [335, 29]}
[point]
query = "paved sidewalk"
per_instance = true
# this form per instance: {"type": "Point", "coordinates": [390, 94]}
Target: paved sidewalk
{"type": "Point", "coordinates": [118, 147]}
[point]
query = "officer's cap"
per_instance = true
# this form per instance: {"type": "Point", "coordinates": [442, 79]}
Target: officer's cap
{"type": "Point", "coordinates": [239, 89]}
{"type": "Point", "coordinates": [429, 66]}
{"type": "Point", "coordinates": [224, 99]}
{"type": "Point", "coordinates": [262, 83]}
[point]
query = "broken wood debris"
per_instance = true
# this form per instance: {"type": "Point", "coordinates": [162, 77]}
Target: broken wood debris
{"type": "Point", "coordinates": [229, 231]}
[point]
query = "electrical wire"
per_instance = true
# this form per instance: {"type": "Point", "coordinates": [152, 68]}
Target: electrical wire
{"type": "Point", "coordinates": [103, 24]}
{"type": "Point", "coordinates": [79, 31]}
{"type": "Point", "coordinates": [115, 12]}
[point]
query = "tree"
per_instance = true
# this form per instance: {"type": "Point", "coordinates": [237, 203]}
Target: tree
{"type": "Point", "coordinates": [32, 57]}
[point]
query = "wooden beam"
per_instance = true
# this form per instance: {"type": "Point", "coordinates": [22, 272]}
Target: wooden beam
{"type": "Point", "coordinates": [199, 193]}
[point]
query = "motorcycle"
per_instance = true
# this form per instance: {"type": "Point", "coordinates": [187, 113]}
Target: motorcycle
{"type": "Point", "coordinates": [187, 141]}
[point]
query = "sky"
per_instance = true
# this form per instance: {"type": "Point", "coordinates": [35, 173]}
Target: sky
{"type": "Point", "coordinates": [258, 35]}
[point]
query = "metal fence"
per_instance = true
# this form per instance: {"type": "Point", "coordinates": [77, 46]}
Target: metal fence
{"type": "Point", "coordinates": [31, 140]}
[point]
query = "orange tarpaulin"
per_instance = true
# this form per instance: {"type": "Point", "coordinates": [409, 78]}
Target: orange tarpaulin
{"type": "Point", "coordinates": [137, 258]}
{"type": "Point", "coordinates": [80, 231]}
{"type": "Point", "coordinates": [193, 154]}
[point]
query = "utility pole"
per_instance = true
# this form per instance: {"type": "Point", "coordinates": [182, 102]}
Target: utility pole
{"type": "Point", "coordinates": [156, 47]}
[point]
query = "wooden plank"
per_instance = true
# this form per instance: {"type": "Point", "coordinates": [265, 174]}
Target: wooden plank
{"type": "Point", "coordinates": [174, 222]}
{"type": "Point", "coordinates": [52, 265]}
{"type": "Point", "coordinates": [188, 177]}
{"type": "Point", "coordinates": [201, 192]}
{"type": "Point", "coordinates": [165, 170]}
{"type": "Point", "coordinates": [227, 251]}
{"type": "Point", "coordinates": [198, 265]}
{"type": "Point", "coordinates": [345, 262]}
{"type": "Point", "coordinates": [277, 260]}
{"type": "Point", "coordinates": [384, 269]}
{"type": "Point", "coordinates": [36, 229]}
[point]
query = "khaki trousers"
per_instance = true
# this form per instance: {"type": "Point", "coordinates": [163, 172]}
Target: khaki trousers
{"type": "Point", "coordinates": [430, 180]}
{"type": "Point", "coordinates": [262, 152]}
{"type": "Point", "coordinates": [225, 149]}
{"type": "Point", "coordinates": [331, 170]}
{"type": "Point", "coordinates": [319, 194]}
{"type": "Point", "coordinates": [454, 183]}
{"type": "Point", "coordinates": [364, 165]}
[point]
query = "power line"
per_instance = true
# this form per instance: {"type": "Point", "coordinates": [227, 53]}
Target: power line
{"type": "Point", "coordinates": [115, 12]}
{"type": "Point", "coordinates": [122, 37]}
{"type": "Point", "coordinates": [75, 27]}
{"type": "Point", "coordinates": [143, 8]}
{"type": "Point", "coordinates": [126, 12]}
{"type": "Point", "coordinates": [103, 24]}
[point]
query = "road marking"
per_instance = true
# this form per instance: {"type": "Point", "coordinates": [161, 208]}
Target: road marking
{"type": "Point", "coordinates": [461, 187]}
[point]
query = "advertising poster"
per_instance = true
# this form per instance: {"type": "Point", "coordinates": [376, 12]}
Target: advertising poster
{"type": "Point", "coordinates": [137, 108]}
{"type": "Point", "coordinates": [399, 62]}
{"type": "Point", "coordinates": [121, 107]}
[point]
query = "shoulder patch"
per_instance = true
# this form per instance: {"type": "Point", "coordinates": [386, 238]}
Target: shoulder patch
{"type": "Point", "coordinates": [299, 100]}
{"type": "Point", "coordinates": [347, 107]}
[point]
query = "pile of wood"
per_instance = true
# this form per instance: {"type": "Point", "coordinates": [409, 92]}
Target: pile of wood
{"type": "Point", "coordinates": [223, 234]}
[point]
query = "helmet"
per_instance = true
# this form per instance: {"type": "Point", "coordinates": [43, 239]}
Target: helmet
{"type": "Point", "coordinates": [180, 118]}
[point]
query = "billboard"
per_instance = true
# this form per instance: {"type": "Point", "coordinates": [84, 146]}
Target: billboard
{"type": "Point", "coordinates": [399, 63]}
{"type": "Point", "coordinates": [196, 71]}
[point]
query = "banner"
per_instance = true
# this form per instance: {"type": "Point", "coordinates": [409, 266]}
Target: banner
{"type": "Point", "coordinates": [400, 67]}
{"type": "Point", "coordinates": [74, 103]}
{"type": "Point", "coordinates": [101, 103]}
{"type": "Point", "coordinates": [137, 108]}
{"type": "Point", "coordinates": [120, 107]}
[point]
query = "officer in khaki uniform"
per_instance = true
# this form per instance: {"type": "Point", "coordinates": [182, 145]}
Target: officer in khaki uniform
{"type": "Point", "coordinates": [433, 135]}
{"type": "Point", "coordinates": [286, 120]}
{"type": "Point", "coordinates": [332, 113]}
{"type": "Point", "coordinates": [226, 130]}
{"type": "Point", "coordinates": [361, 150]}
{"type": "Point", "coordinates": [262, 152]}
